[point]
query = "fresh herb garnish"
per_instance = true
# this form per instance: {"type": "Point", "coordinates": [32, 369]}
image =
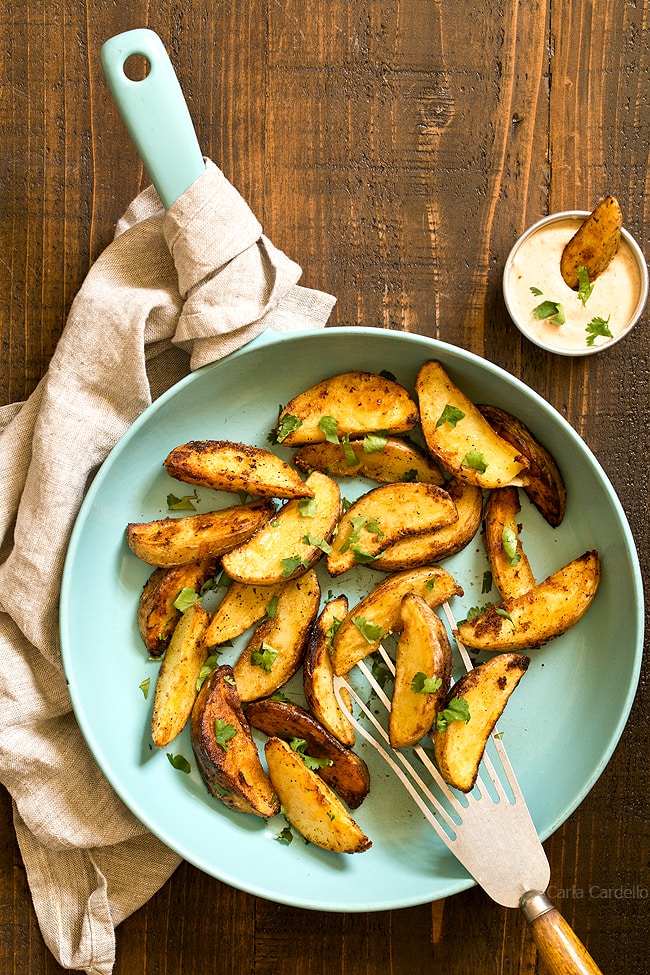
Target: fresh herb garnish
{"type": "Point", "coordinates": [307, 507]}
{"type": "Point", "coordinates": [421, 684]}
{"type": "Point", "coordinates": [144, 687]}
{"type": "Point", "coordinates": [369, 631]}
{"type": "Point", "coordinates": [285, 836]}
{"type": "Point", "coordinates": [451, 415]}
{"type": "Point", "coordinates": [329, 426]}
{"type": "Point", "coordinates": [186, 503]}
{"type": "Point", "coordinates": [374, 442]}
{"type": "Point", "coordinates": [551, 310]}
{"type": "Point", "coordinates": [272, 608]}
{"type": "Point", "coordinates": [584, 286]}
{"type": "Point", "coordinates": [264, 657]}
{"type": "Point", "coordinates": [509, 541]}
{"type": "Point", "coordinates": [290, 565]}
{"type": "Point", "coordinates": [187, 597]}
{"type": "Point", "coordinates": [456, 710]}
{"type": "Point", "coordinates": [179, 762]}
{"type": "Point", "coordinates": [535, 291]}
{"type": "Point", "coordinates": [318, 542]}
{"type": "Point", "coordinates": [223, 732]}
{"type": "Point", "coordinates": [476, 460]}
{"type": "Point", "coordinates": [598, 326]}
{"type": "Point", "coordinates": [504, 613]}
{"type": "Point", "coordinates": [299, 745]}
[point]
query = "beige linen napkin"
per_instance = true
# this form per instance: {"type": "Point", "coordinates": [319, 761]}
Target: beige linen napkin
{"type": "Point", "coordinates": [173, 292]}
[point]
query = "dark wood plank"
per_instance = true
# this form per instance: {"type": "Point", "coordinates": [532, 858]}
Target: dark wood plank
{"type": "Point", "coordinates": [395, 148]}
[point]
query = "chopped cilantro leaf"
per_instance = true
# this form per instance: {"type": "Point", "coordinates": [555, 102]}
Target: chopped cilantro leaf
{"type": "Point", "coordinates": [272, 608]}
{"type": "Point", "coordinates": [535, 291]}
{"type": "Point", "coordinates": [509, 541]}
{"type": "Point", "coordinates": [351, 459]}
{"type": "Point", "coordinates": [184, 503]}
{"type": "Point", "coordinates": [505, 615]}
{"type": "Point", "coordinates": [307, 507]}
{"type": "Point", "coordinates": [285, 836]}
{"type": "Point", "coordinates": [487, 582]}
{"type": "Point", "coordinates": [598, 326]}
{"type": "Point", "coordinates": [186, 598]}
{"type": "Point", "coordinates": [421, 684]}
{"type": "Point", "coordinates": [476, 460]}
{"type": "Point", "coordinates": [291, 564]}
{"type": "Point", "coordinates": [320, 543]}
{"type": "Point", "coordinates": [144, 687]}
{"type": "Point", "coordinates": [299, 745]}
{"type": "Point", "coordinates": [179, 762]}
{"type": "Point", "coordinates": [223, 732]}
{"type": "Point", "coordinates": [287, 425]}
{"type": "Point", "coordinates": [451, 415]}
{"type": "Point", "coordinates": [551, 310]}
{"type": "Point", "coordinates": [264, 657]}
{"type": "Point", "coordinates": [584, 286]}
{"type": "Point", "coordinates": [374, 442]}
{"type": "Point", "coordinates": [370, 631]}
{"type": "Point", "coordinates": [329, 426]}
{"type": "Point", "coordinates": [456, 710]}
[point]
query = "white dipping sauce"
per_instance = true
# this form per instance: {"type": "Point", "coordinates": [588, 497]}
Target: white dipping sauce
{"type": "Point", "coordinates": [535, 264]}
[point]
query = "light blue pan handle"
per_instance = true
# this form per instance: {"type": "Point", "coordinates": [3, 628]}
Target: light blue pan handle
{"type": "Point", "coordinates": [154, 112]}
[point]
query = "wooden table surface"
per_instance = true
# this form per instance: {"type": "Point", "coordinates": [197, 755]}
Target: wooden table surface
{"type": "Point", "coordinates": [395, 149]}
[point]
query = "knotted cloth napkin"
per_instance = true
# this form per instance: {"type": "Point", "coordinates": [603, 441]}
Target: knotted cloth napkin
{"type": "Point", "coordinates": [174, 290]}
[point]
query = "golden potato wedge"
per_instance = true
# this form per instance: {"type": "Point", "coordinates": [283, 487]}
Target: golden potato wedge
{"type": "Point", "coordinates": [157, 615]}
{"type": "Point", "coordinates": [459, 438]}
{"type": "Point", "coordinates": [191, 538]}
{"type": "Point", "coordinates": [225, 751]}
{"type": "Point", "coordinates": [542, 482]}
{"type": "Point", "coordinates": [422, 672]}
{"type": "Point", "coordinates": [176, 685]}
{"type": "Point", "coordinates": [384, 515]}
{"type": "Point", "coordinates": [275, 651]}
{"type": "Point", "coordinates": [432, 546]}
{"type": "Point", "coordinates": [318, 676]}
{"type": "Point", "coordinates": [227, 466]}
{"type": "Point", "coordinates": [309, 804]}
{"type": "Point", "coordinates": [378, 614]}
{"type": "Point", "coordinates": [486, 689]}
{"type": "Point", "coordinates": [292, 541]}
{"type": "Point", "coordinates": [359, 402]}
{"type": "Point", "coordinates": [509, 565]}
{"type": "Point", "coordinates": [396, 460]}
{"type": "Point", "coordinates": [547, 611]}
{"type": "Point", "coordinates": [594, 244]}
{"type": "Point", "coordinates": [344, 771]}
{"type": "Point", "coordinates": [242, 607]}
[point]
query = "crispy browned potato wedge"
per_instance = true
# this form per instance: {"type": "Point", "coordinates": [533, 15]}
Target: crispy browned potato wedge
{"type": "Point", "coordinates": [486, 689]}
{"type": "Point", "coordinates": [509, 565]}
{"type": "Point", "coordinates": [594, 243]}
{"type": "Point", "coordinates": [230, 767]}
{"type": "Point", "coordinates": [318, 675]}
{"type": "Point", "coordinates": [179, 672]}
{"type": "Point", "coordinates": [346, 772]}
{"type": "Point", "coordinates": [275, 651]}
{"type": "Point", "coordinates": [360, 402]}
{"type": "Point", "coordinates": [292, 541]}
{"type": "Point", "coordinates": [459, 437]}
{"type": "Point", "coordinates": [378, 614]}
{"type": "Point", "coordinates": [385, 515]}
{"type": "Point", "coordinates": [542, 482]}
{"type": "Point", "coordinates": [432, 546]}
{"type": "Point", "coordinates": [423, 654]}
{"type": "Point", "coordinates": [242, 607]}
{"type": "Point", "coordinates": [157, 615]}
{"type": "Point", "coordinates": [227, 466]}
{"type": "Point", "coordinates": [309, 804]}
{"type": "Point", "coordinates": [397, 460]}
{"type": "Point", "coordinates": [547, 611]}
{"type": "Point", "coordinates": [177, 541]}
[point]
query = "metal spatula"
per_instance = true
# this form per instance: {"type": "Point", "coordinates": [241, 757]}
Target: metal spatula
{"type": "Point", "coordinates": [490, 831]}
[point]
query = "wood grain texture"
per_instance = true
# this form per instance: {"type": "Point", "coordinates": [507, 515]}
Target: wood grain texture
{"type": "Point", "coordinates": [395, 149]}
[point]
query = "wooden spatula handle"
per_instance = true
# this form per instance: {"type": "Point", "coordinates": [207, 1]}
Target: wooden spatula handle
{"type": "Point", "coordinates": [561, 950]}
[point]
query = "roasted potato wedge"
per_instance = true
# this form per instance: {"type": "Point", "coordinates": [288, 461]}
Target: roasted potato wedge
{"type": "Point", "coordinates": [231, 766]}
{"type": "Point", "coordinates": [422, 672]}
{"type": "Point", "coordinates": [509, 565]}
{"type": "Point", "coordinates": [378, 614]}
{"type": "Point", "coordinates": [292, 541]}
{"type": "Point", "coordinates": [432, 546]}
{"type": "Point", "coordinates": [486, 689]}
{"type": "Point", "coordinates": [227, 466]}
{"type": "Point", "coordinates": [547, 611]}
{"type": "Point", "coordinates": [459, 438]}
{"type": "Point", "coordinates": [309, 804]}
{"type": "Point", "coordinates": [242, 607]}
{"type": "Point", "coordinates": [191, 538]}
{"type": "Point", "coordinates": [318, 676]}
{"type": "Point", "coordinates": [359, 402]}
{"type": "Point", "coordinates": [157, 615]}
{"type": "Point", "coordinates": [396, 460]}
{"type": "Point", "coordinates": [542, 482]}
{"type": "Point", "coordinates": [384, 515]}
{"type": "Point", "coordinates": [176, 685]}
{"type": "Point", "coordinates": [594, 244]}
{"type": "Point", "coordinates": [275, 652]}
{"type": "Point", "coordinates": [346, 773]}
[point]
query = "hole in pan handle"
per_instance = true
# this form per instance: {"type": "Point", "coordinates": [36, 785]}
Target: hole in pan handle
{"type": "Point", "coordinates": [154, 112]}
